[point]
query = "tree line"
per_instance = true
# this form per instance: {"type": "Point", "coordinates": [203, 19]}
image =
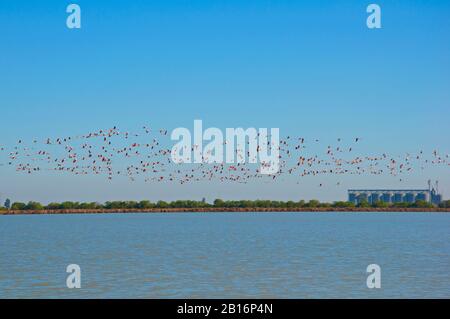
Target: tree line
{"type": "Point", "coordinates": [218, 203]}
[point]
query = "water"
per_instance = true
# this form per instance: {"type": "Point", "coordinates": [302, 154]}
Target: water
{"type": "Point", "coordinates": [226, 255]}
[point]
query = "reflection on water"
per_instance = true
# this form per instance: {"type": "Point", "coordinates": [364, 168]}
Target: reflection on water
{"type": "Point", "coordinates": [226, 255]}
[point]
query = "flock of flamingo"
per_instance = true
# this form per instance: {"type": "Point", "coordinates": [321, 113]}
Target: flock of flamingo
{"type": "Point", "coordinates": [147, 155]}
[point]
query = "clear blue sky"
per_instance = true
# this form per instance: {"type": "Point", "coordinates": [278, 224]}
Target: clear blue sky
{"type": "Point", "coordinates": [310, 68]}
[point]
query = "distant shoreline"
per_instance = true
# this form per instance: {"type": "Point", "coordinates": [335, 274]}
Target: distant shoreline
{"type": "Point", "coordinates": [221, 210]}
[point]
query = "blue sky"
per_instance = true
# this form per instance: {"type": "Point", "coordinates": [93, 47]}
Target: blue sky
{"type": "Point", "coordinates": [311, 68]}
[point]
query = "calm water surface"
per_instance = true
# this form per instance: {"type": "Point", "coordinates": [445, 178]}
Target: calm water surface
{"type": "Point", "coordinates": [226, 255]}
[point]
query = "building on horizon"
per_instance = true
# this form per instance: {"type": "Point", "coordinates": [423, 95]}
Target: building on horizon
{"type": "Point", "coordinates": [393, 196]}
